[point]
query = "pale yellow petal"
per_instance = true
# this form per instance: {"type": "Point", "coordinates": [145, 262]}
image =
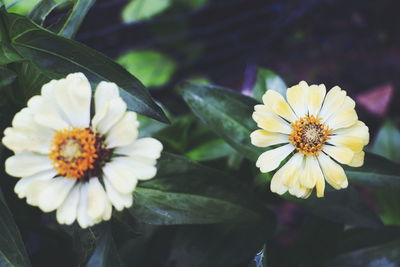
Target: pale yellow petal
{"type": "Point", "coordinates": [277, 103]}
{"type": "Point", "coordinates": [332, 103]}
{"type": "Point", "coordinates": [354, 143]}
{"type": "Point", "coordinates": [320, 184]}
{"type": "Point", "coordinates": [341, 154]}
{"type": "Point", "coordinates": [358, 159]}
{"type": "Point", "coordinates": [311, 172]}
{"type": "Point", "coordinates": [297, 98]}
{"type": "Point", "coordinates": [293, 170]}
{"type": "Point", "coordinates": [316, 95]}
{"type": "Point", "coordinates": [343, 119]}
{"type": "Point", "coordinates": [262, 138]}
{"type": "Point", "coordinates": [270, 160]}
{"type": "Point", "coordinates": [333, 172]}
{"type": "Point", "coordinates": [269, 121]}
{"type": "Point", "coordinates": [359, 129]}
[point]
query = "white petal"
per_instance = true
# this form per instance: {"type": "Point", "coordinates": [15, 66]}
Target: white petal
{"type": "Point", "coordinates": [45, 109]}
{"type": "Point", "coordinates": [31, 186]}
{"type": "Point", "coordinates": [119, 200]}
{"type": "Point", "coordinates": [27, 163]}
{"type": "Point", "coordinates": [270, 160]}
{"type": "Point", "coordinates": [82, 217]}
{"type": "Point", "coordinates": [300, 191]}
{"type": "Point", "coordinates": [124, 132]}
{"type": "Point", "coordinates": [293, 170]}
{"type": "Point", "coordinates": [262, 138]}
{"type": "Point", "coordinates": [333, 101]}
{"type": "Point", "coordinates": [146, 147]}
{"type": "Point", "coordinates": [333, 172]}
{"type": "Point", "coordinates": [67, 212]}
{"type": "Point", "coordinates": [267, 120]}
{"type": "Point", "coordinates": [120, 176]}
{"type": "Point", "coordinates": [107, 211]}
{"type": "Point", "coordinates": [54, 193]}
{"type": "Point", "coordinates": [309, 177]}
{"type": "Point", "coordinates": [297, 98]}
{"type": "Point", "coordinates": [316, 95]}
{"type": "Point", "coordinates": [105, 91]}
{"type": "Point", "coordinates": [96, 200]}
{"type": "Point", "coordinates": [143, 168]}
{"type": "Point", "coordinates": [106, 118]}
{"type": "Point", "coordinates": [341, 154]}
{"type": "Point", "coordinates": [26, 135]}
{"type": "Point", "coordinates": [277, 185]}
{"type": "Point", "coordinates": [278, 104]}
{"type": "Point", "coordinates": [358, 159]}
{"type": "Point", "coordinates": [73, 97]}
{"type": "Point", "coordinates": [354, 143]}
{"type": "Point", "coordinates": [358, 130]}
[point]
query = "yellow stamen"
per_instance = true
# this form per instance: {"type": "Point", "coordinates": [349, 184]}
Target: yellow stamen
{"type": "Point", "coordinates": [309, 134]}
{"type": "Point", "coordinates": [73, 152]}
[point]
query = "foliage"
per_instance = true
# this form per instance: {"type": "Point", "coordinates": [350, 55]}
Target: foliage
{"type": "Point", "coordinates": [208, 205]}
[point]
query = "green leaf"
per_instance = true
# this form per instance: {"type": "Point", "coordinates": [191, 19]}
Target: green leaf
{"type": "Point", "coordinates": [12, 250]}
{"type": "Point", "coordinates": [75, 18]}
{"type": "Point", "coordinates": [387, 142]}
{"type": "Point", "coordinates": [150, 67]}
{"type": "Point", "coordinates": [377, 172]}
{"type": "Point", "coordinates": [226, 113]}
{"type": "Point", "coordinates": [184, 192]}
{"type": "Point", "coordinates": [143, 9]}
{"type": "Point", "coordinates": [106, 253]}
{"type": "Point", "coordinates": [209, 150]}
{"type": "Point", "coordinates": [39, 13]}
{"type": "Point", "coordinates": [268, 80]}
{"type": "Point", "coordinates": [382, 255]}
{"type": "Point", "coordinates": [7, 53]}
{"type": "Point", "coordinates": [341, 206]}
{"type": "Point", "coordinates": [62, 56]}
{"type": "Point", "coordinates": [20, 7]}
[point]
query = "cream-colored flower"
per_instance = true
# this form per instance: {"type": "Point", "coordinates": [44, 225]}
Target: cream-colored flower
{"type": "Point", "coordinates": [73, 164]}
{"type": "Point", "coordinates": [316, 131]}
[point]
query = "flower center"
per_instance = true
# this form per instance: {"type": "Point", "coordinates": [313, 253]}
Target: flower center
{"type": "Point", "coordinates": [309, 134]}
{"type": "Point", "coordinates": [78, 153]}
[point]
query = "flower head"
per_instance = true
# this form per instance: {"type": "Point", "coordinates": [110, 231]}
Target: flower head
{"type": "Point", "coordinates": [315, 130]}
{"type": "Point", "coordinates": [75, 164]}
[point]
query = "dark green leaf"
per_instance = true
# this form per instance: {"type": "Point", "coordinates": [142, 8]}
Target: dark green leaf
{"type": "Point", "coordinates": [12, 250]}
{"type": "Point", "coordinates": [342, 206]}
{"type": "Point", "coordinates": [63, 56]}
{"type": "Point", "coordinates": [382, 255]}
{"type": "Point", "coordinates": [75, 18]}
{"type": "Point", "coordinates": [39, 13]}
{"type": "Point", "coordinates": [387, 142]}
{"type": "Point", "coordinates": [209, 150]}
{"type": "Point", "coordinates": [226, 113]}
{"type": "Point", "coordinates": [268, 80]}
{"type": "Point", "coordinates": [184, 192]}
{"type": "Point", "coordinates": [106, 253]}
{"type": "Point", "coordinates": [376, 172]}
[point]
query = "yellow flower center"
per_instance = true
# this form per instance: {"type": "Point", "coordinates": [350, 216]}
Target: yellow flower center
{"type": "Point", "coordinates": [309, 134]}
{"type": "Point", "coordinates": [77, 152]}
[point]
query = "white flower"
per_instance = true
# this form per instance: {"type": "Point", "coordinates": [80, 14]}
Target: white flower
{"type": "Point", "coordinates": [314, 130]}
{"type": "Point", "coordinates": [71, 163]}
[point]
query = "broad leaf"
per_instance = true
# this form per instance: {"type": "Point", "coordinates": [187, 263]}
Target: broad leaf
{"type": "Point", "coordinates": [7, 76]}
{"type": "Point", "coordinates": [226, 113]}
{"type": "Point", "coordinates": [184, 192]}
{"type": "Point", "coordinates": [341, 206]}
{"type": "Point", "coordinates": [63, 56]}
{"type": "Point", "coordinates": [268, 80]}
{"type": "Point", "coordinates": [376, 172]}
{"type": "Point", "coordinates": [12, 250]}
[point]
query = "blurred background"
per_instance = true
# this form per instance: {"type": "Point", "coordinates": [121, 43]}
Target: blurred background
{"type": "Point", "coordinates": [354, 44]}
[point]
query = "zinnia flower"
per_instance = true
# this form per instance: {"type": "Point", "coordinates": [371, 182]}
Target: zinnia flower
{"type": "Point", "coordinates": [71, 163]}
{"type": "Point", "coordinates": [314, 130]}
